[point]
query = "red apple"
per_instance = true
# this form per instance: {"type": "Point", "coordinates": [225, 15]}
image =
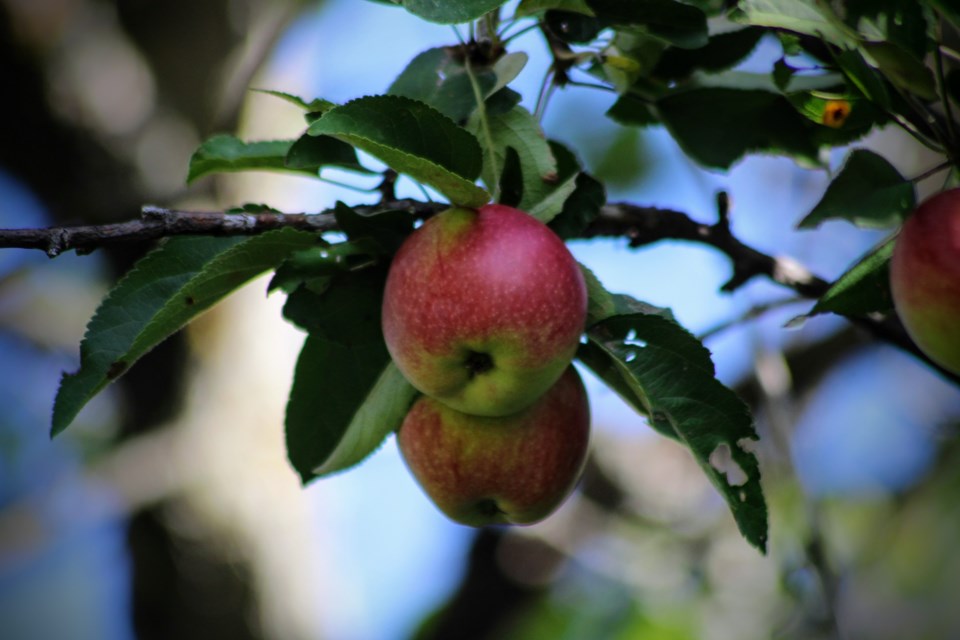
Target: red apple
{"type": "Point", "coordinates": [483, 309]}
{"type": "Point", "coordinates": [925, 278]}
{"type": "Point", "coordinates": [508, 470]}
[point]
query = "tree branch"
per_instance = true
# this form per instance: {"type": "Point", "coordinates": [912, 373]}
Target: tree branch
{"type": "Point", "coordinates": [155, 223]}
{"type": "Point", "coordinates": [640, 225]}
{"type": "Point", "coordinates": [646, 225]}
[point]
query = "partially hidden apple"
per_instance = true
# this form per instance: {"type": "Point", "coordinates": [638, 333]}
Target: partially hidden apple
{"type": "Point", "coordinates": [925, 278]}
{"type": "Point", "coordinates": [483, 309]}
{"type": "Point", "coordinates": [508, 470]}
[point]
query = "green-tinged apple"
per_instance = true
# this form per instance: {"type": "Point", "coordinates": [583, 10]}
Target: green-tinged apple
{"type": "Point", "coordinates": [513, 469]}
{"type": "Point", "coordinates": [925, 278]}
{"type": "Point", "coordinates": [483, 309]}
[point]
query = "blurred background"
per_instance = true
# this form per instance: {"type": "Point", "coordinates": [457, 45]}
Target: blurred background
{"type": "Point", "coordinates": [168, 510]}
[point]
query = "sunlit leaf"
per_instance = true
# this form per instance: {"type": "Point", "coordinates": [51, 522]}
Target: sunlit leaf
{"type": "Point", "coordinates": [412, 138]}
{"type": "Point", "coordinates": [164, 291]}
{"type": "Point", "coordinates": [808, 17]}
{"type": "Point", "coordinates": [225, 153]}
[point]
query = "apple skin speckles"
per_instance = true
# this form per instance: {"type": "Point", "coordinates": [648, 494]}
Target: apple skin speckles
{"type": "Point", "coordinates": [515, 469]}
{"type": "Point", "coordinates": [492, 281]}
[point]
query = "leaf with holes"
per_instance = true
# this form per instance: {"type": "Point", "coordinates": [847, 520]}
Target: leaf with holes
{"type": "Point", "coordinates": [667, 375]}
{"type": "Point", "coordinates": [164, 291]}
{"type": "Point", "coordinates": [412, 138]}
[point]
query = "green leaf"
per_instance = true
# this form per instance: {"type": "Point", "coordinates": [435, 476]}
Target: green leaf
{"type": "Point", "coordinates": [574, 28]}
{"type": "Point", "coordinates": [314, 267]}
{"type": "Point", "coordinates": [438, 77]}
{"type": "Point", "coordinates": [864, 288]}
{"type": "Point", "coordinates": [628, 58]}
{"type": "Point", "coordinates": [679, 24]}
{"type": "Point", "coordinates": [445, 12]}
{"type": "Point", "coordinates": [382, 413]}
{"type": "Point", "coordinates": [317, 105]}
{"type": "Point", "coordinates": [507, 68]}
{"type": "Point", "coordinates": [902, 68]}
{"type": "Point", "coordinates": [412, 138]}
{"type": "Point", "coordinates": [164, 291]}
{"type": "Point", "coordinates": [949, 9]}
{"type": "Point", "coordinates": [502, 101]}
{"type": "Point", "coordinates": [868, 192]}
{"type": "Point", "coordinates": [632, 111]}
{"type": "Point", "coordinates": [865, 78]}
{"type": "Point", "coordinates": [347, 310]}
{"type": "Point", "coordinates": [845, 117]}
{"type": "Point", "coordinates": [717, 126]}
{"type": "Point", "coordinates": [808, 17]}
{"type": "Point", "coordinates": [600, 302]}
{"type": "Point", "coordinates": [667, 374]}
{"type": "Point", "coordinates": [901, 22]}
{"type": "Point", "coordinates": [721, 52]}
{"type": "Point", "coordinates": [346, 396]}
{"type": "Point", "coordinates": [344, 402]}
{"type": "Point", "coordinates": [626, 159]}
{"type": "Point", "coordinates": [312, 153]}
{"type": "Point", "coordinates": [583, 204]}
{"type": "Point", "coordinates": [533, 7]}
{"type": "Point", "coordinates": [225, 153]}
{"type": "Point", "coordinates": [386, 229]}
{"type": "Point", "coordinates": [519, 130]}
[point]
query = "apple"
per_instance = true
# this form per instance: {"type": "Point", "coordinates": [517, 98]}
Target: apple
{"type": "Point", "coordinates": [513, 469]}
{"type": "Point", "coordinates": [925, 278]}
{"type": "Point", "coordinates": [483, 309]}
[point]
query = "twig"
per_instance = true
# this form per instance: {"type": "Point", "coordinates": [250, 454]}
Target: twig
{"type": "Point", "coordinates": [155, 223]}
{"type": "Point", "coordinates": [754, 312]}
{"type": "Point", "coordinates": [646, 225]}
{"type": "Point", "coordinates": [932, 171]}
